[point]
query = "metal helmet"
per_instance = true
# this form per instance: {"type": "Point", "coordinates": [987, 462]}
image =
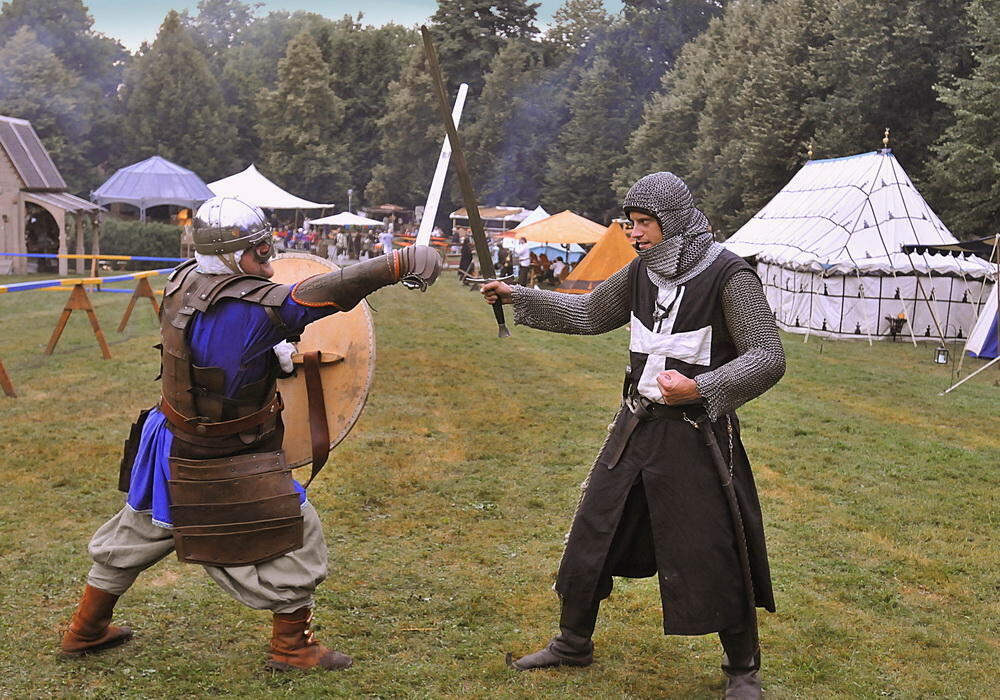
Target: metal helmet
{"type": "Point", "coordinates": [228, 224]}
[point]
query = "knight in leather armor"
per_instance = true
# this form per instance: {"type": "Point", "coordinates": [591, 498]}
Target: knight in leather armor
{"type": "Point", "coordinates": [203, 470]}
{"type": "Point", "coordinates": [703, 342]}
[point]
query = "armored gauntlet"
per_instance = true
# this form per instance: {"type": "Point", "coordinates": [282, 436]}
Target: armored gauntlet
{"type": "Point", "coordinates": [344, 288]}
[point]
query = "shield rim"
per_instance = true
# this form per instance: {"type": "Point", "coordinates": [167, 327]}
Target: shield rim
{"type": "Point", "coordinates": [356, 415]}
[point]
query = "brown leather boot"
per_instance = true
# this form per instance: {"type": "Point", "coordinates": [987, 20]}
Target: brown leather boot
{"type": "Point", "coordinates": [90, 629]}
{"type": "Point", "coordinates": [571, 647]}
{"type": "Point", "coordinates": [293, 646]}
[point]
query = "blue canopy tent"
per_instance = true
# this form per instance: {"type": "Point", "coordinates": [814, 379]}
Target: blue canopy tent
{"type": "Point", "coordinates": [153, 182]}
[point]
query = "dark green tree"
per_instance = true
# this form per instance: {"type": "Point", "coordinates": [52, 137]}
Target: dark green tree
{"type": "Point", "coordinates": [299, 125]}
{"type": "Point", "coordinates": [507, 145]}
{"type": "Point", "coordinates": [98, 62]}
{"type": "Point", "coordinates": [363, 61]}
{"type": "Point", "coordinates": [590, 148]}
{"type": "Point", "coordinates": [174, 106]}
{"type": "Point", "coordinates": [35, 85]}
{"type": "Point", "coordinates": [877, 67]}
{"type": "Point", "coordinates": [576, 25]}
{"type": "Point", "coordinates": [250, 67]}
{"type": "Point", "coordinates": [219, 25]}
{"type": "Point", "coordinates": [469, 33]}
{"type": "Point", "coordinates": [410, 140]}
{"type": "Point", "coordinates": [964, 179]}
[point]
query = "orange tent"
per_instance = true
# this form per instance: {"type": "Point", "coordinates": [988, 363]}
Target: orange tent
{"type": "Point", "coordinates": [562, 228]}
{"type": "Point", "coordinates": [610, 254]}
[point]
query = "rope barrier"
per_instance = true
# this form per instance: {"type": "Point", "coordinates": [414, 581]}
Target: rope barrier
{"type": "Point", "coordinates": [74, 281]}
{"type": "Point", "coordinates": [81, 256]}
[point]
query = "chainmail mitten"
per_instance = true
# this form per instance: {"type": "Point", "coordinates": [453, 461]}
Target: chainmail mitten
{"type": "Point", "coordinates": [600, 311]}
{"type": "Point", "coordinates": [761, 361]}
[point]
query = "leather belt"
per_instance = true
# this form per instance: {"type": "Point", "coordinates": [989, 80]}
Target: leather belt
{"type": "Point", "coordinates": [644, 409]}
{"type": "Point", "coordinates": [201, 427]}
{"type": "Point", "coordinates": [638, 409]}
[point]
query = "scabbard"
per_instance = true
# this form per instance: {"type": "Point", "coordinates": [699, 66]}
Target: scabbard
{"type": "Point", "coordinates": [726, 480]}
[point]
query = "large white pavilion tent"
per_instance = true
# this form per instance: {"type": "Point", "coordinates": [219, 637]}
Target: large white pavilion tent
{"type": "Point", "coordinates": [828, 249]}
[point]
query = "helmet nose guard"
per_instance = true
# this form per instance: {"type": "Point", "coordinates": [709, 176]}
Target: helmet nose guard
{"type": "Point", "coordinates": [227, 224]}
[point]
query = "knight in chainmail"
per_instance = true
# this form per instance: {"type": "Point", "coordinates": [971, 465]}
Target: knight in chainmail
{"type": "Point", "coordinates": [703, 342]}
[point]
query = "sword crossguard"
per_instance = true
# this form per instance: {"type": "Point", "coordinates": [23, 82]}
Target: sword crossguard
{"type": "Point", "coordinates": [484, 280]}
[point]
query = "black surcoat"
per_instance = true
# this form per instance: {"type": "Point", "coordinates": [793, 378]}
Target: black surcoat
{"type": "Point", "coordinates": [658, 508]}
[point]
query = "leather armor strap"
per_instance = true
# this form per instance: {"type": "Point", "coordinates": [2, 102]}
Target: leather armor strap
{"type": "Point", "coordinates": [196, 426]}
{"type": "Point", "coordinates": [319, 430]}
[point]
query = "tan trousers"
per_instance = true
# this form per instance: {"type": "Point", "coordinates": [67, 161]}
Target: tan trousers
{"type": "Point", "coordinates": [129, 543]}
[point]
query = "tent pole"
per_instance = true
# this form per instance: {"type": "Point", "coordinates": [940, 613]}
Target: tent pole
{"type": "Point", "coordinates": [963, 381]}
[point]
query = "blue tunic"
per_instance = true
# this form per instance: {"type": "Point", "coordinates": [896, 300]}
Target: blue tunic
{"type": "Point", "coordinates": [237, 337]}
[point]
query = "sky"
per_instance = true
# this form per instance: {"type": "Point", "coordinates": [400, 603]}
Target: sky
{"type": "Point", "coordinates": [135, 21]}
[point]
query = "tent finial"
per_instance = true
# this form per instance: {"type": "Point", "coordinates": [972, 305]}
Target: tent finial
{"type": "Point", "coordinates": [885, 138]}
{"type": "Point", "coordinates": [809, 152]}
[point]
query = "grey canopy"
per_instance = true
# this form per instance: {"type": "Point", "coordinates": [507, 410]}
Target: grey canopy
{"type": "Point", "coordinates": [153, 182]}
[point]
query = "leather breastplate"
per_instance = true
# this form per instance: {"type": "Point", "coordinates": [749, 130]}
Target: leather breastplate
{"type": "Point", "coordinates": [208, 423]}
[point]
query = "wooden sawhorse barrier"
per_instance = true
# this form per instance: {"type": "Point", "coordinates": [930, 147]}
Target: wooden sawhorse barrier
{"type": "Point", "coordinates": [142, 290]}
{"type": "Point", "coordinates": [78, 299]}
{"type": "Point", "coordinates": [5, 383]}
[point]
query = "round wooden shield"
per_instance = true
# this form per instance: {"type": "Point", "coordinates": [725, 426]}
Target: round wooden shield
{"type": "Point", "coordinates": [346, 341]}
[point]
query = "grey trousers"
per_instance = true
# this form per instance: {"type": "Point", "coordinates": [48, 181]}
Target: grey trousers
{"type": "Point", "coordinates": [129, 543]}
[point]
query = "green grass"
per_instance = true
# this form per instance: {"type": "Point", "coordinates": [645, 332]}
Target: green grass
{"type": "Point", "coordinates": [445, 509]}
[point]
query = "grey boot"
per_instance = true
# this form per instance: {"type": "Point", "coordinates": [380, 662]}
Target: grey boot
{"type": "Point", "coordinates": [571, 647]}
{"type": "Point", "coordinates": [742, 675]}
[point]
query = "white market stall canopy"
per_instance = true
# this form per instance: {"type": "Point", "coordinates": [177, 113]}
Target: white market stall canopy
{"type": "Point", "coordinates": [829, 252]}
{"type": "Point", "coordinates": [345, 218]}
{"type": "Point", "coordinates": [254, 188]}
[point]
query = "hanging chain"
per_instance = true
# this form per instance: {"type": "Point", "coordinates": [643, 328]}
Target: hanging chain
{"type": "Point", "coordinates": [729, 431]}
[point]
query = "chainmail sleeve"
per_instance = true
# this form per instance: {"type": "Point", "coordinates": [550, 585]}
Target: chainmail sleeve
{"type": "Point", "coordinates": [761, 360]}
{"type": "Point", "coordinates": [600, 311]}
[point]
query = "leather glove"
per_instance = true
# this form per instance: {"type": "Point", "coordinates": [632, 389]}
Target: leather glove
{"type": "Point", "coordinates": [419, 266]}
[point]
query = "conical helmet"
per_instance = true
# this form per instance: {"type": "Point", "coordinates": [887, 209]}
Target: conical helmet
{"type": "Point", "coordinates": [228, 224]}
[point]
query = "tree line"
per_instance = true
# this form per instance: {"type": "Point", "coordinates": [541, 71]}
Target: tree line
{"type": "Point", "coordinates": [728, 95]}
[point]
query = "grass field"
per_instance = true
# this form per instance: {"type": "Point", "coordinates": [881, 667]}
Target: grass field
{"type": "Point", "coordinates": [445, 510]}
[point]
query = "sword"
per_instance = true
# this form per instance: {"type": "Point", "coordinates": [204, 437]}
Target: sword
{"type": "Point", "coordinates": [486, 269]}
{"type": "Point", "coordinates": [725, 474]}
{"type": "Point", "coordinates": [437, 182]}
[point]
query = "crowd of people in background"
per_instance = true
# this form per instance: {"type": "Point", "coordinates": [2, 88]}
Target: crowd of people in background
{"type": "Point", "coordinates": [343, 245]}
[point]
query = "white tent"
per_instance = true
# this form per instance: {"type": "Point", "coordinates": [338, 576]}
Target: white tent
{"type": "Point", "coordinates": [536, 214]}
{"type": "Point", "coordinates": [828, 250]}
{"type": "Point", "coordinates": [345, 218]}
{"type": "Point", "coordinates": [983, 340]}
{"type": "Point", "coordinates": [254, 188]}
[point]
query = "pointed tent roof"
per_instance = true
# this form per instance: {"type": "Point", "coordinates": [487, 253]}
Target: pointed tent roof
{"type": "Point", "coordinates": [153, 182]}
{"type": "Point", "coordinates": [610, 254]}
{"type": "Point", "coordinates": [253, 188]}
{"type": "Point", "coordinates": [345, 218]}
{"type": "Point", "coordinates": [564, 227]}
{"type": "Point", "coordinates": [848, 215]}
{"type": "Point", "coordinates": [536, 214]}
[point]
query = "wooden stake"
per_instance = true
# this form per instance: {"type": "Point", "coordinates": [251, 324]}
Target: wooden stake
{"type": "Point", "coordinates": [5, 382]}
{"type": "Point", "coordinates": [142, 290]}
{"type": "Point", "coordinates": [78, 299]}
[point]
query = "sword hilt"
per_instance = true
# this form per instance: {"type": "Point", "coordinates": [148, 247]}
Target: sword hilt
{"type": "Point", "coordinates": [502, 332]}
